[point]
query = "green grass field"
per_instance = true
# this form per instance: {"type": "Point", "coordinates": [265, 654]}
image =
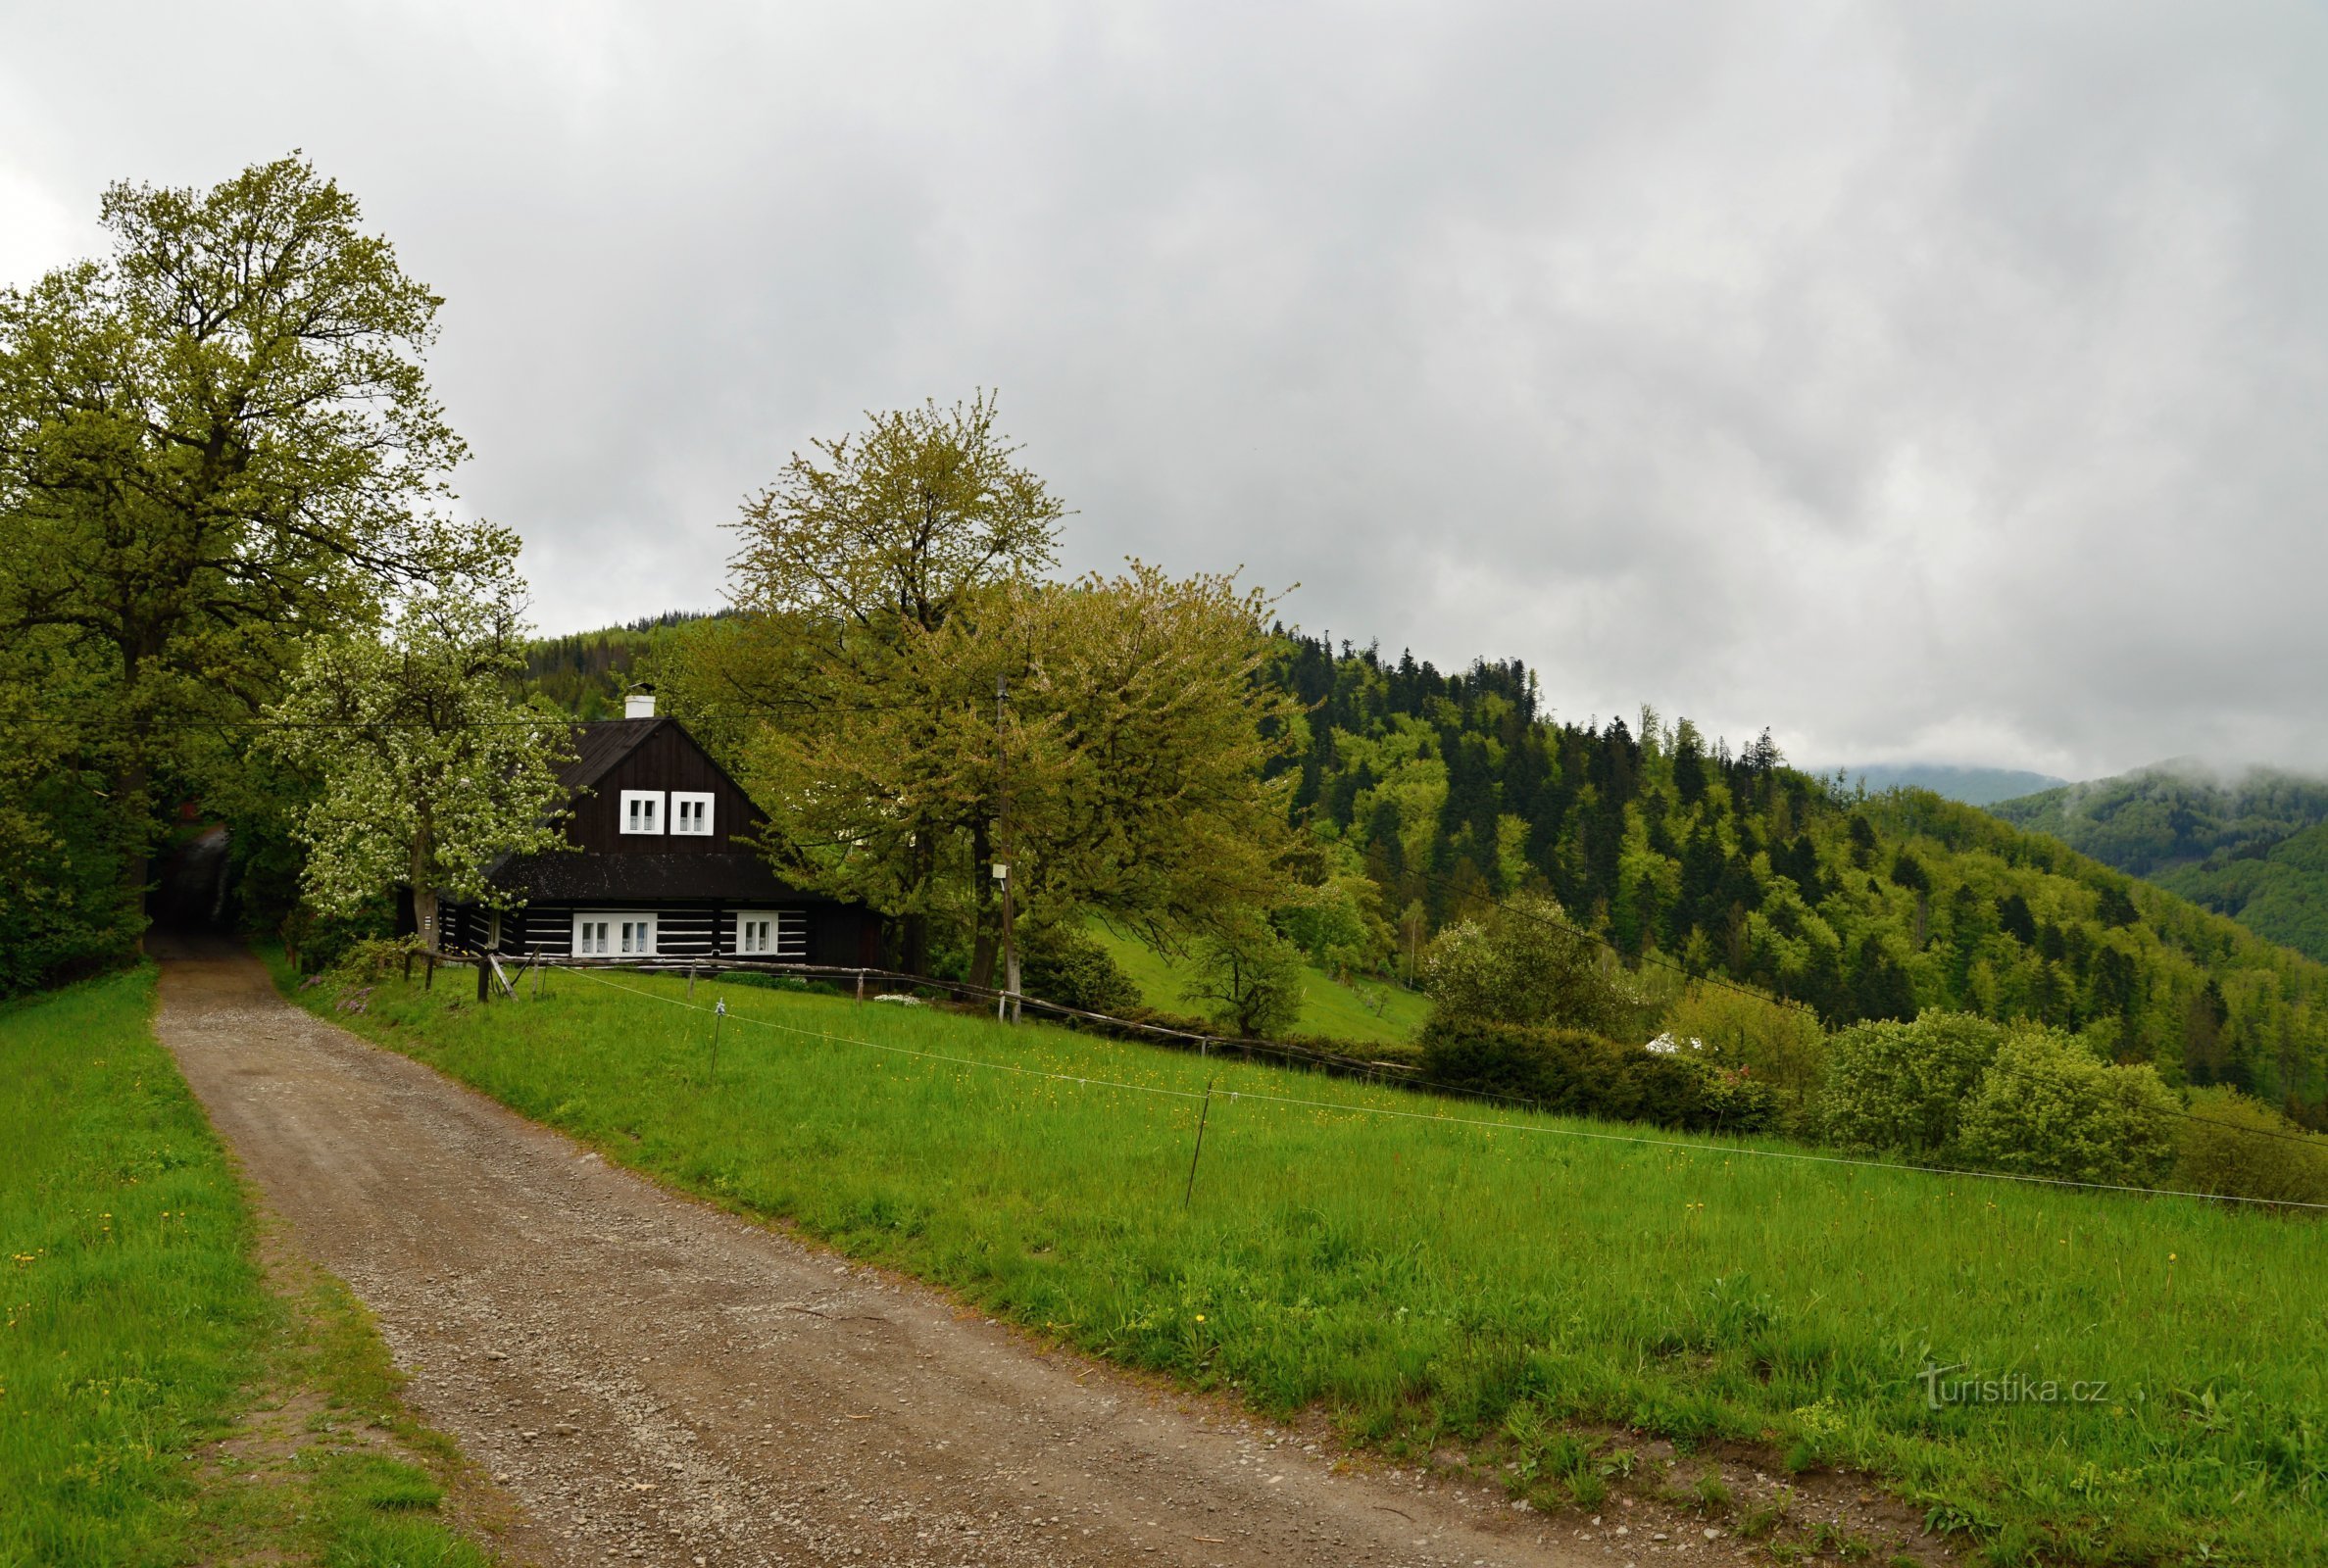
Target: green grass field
{"type": "Point", "coordinates": [1328, 1006]}
{"type": "Point", "coordinates": [138, 1328]}
{"type": "Point", "coordinates": [1425, 1280]}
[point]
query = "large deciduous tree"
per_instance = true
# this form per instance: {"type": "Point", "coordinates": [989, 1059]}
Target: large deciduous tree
{"type": "Point", "coordinates": [887, 585]}
{"type": "Point", "coordinates": [847, 678]}
{"type": "Point", "coordinates": [214, 443]}
{"type": "Point", "coordinates": [428, 770]}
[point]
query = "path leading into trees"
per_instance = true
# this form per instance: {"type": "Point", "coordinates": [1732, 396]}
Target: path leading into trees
{"type": "Point", "coordinates": [650, 1380]}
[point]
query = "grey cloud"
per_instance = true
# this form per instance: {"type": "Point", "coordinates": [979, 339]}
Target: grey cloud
{"type": "Point", "coordinates": [1922, 381]}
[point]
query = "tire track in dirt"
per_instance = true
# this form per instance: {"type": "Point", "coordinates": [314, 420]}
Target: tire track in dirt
{"type": "Point", "coordinates": [654, 1381]}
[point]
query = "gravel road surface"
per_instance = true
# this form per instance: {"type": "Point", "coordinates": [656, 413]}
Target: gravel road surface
{"type": "Point", "coordinates": [650, 1380]}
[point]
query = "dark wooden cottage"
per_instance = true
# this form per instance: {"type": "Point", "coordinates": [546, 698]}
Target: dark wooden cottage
{"type": "Point", "coordinates": [662, 868]}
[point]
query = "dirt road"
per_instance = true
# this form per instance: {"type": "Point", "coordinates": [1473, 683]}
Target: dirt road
{"type": "Point", "coordinates": [654, 1381]}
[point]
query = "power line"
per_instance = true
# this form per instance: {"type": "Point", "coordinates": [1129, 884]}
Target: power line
{"type": "Point", "coordinates": [1636, 1138]}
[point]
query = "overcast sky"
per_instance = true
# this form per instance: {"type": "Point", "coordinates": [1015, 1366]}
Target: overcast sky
{"type": "Point", "coordinates": [1940, 381]}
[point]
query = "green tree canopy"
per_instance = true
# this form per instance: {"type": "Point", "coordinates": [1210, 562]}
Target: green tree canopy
{"type": "Point", "coordinates": [214, 443]}
{"type": "Point", "coordinates": [428, 770]}
{"type": "Point", "coordinates": [889, 587]}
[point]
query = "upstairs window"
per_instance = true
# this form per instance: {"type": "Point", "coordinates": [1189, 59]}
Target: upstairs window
{"type": "Point", "coordinates": [642, 811]}
{"type": "Point", "coordinates": [690, 814]}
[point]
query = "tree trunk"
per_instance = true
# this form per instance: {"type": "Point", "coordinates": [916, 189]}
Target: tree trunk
{"type": "Point", "coordinates": [424, 910]}
{"type": "Point", "coordinates": [131, 785]}
{"type": "Point", "coordinates": [916, 923]}
{"type": "Point", "coordinates": [985, 935]}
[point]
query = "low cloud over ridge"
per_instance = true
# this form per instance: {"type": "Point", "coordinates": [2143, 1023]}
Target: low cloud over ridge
{"type": "Point", "coordinates": [1937, 383]}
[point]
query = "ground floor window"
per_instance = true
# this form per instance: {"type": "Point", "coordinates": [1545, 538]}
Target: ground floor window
{"type": "Point", "coordinates": [616, 934]}
{"type": "Point", "coordinates": [773, 933]}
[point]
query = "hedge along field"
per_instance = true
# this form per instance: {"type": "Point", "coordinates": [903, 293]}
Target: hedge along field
{"type": "Point", "coordinates": [137, 1325]}
{"type": "Point", "coordinates": [1423, 1278]}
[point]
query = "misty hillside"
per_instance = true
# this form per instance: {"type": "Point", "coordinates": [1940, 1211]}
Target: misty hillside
{"type": "Point", "coordinates": [2253, 846]}
{"type": "Point", "coordinates": [1974, 786]}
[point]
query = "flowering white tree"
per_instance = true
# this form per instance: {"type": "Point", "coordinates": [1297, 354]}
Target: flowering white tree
{"type": "Point", "coordinates": [429, 769]}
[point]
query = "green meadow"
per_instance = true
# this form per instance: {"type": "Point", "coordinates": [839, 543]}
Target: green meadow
{"type": "Point", "coordinates": [138, 1329]}
{"type": "Point", "coordinates": [1446, 1274]}
{"type": "Point", "coordinates": [1373, 1012]}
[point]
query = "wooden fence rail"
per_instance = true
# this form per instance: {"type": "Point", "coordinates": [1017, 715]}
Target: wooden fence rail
{"type": "Point", "coordinates": [489, 970]}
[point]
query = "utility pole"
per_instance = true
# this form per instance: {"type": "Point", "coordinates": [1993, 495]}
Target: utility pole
{"type": "Point", "coordinates": [1005, 1005]}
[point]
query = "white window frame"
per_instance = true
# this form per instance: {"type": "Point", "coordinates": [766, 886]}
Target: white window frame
{"type": "Point", "coordinates": [700, 799]}
{"type": "Point", "coordinates": [787, 933]}
{"type": "Point", "coordinates": [652, 800]}
{"type": "Point", "coordinates": [626, 933]}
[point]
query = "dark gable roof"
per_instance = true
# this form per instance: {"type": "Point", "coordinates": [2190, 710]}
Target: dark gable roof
{"type": "Point", "coordinates": [730, 878]}
{"type": "Point", "coordinates": [600, 747]}
{"type": "Point", "coordinates": [601, 744]}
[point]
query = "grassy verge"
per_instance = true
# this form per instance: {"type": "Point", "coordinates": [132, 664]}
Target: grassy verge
{"type": "Point", "coordinates": [1372, 1010]}
{"type": "Point", "coordinates": [1427, 1282]}
{"type": "Point", "coordinates": [143, 1352]}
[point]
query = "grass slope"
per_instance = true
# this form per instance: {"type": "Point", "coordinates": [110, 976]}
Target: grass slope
{"type": "Point", "coordinates": [1425, 1280]}
{"type": "Point", "coordinates": [138, 1328]}
{"type": "Point", "coordinates": [1328, 1006]}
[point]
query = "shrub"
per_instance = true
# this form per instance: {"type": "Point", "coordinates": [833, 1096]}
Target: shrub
{"type": "Point", "coordinates": [1250, 978]}
{"type": "Point", "coordinates": [1901, 1088]}
{"type": "Point", "coordinates": [1523, 965]}
{"type": "Point", "coordinates": [1783, 1048]}
{"type": "Point", "coordinates": [1737, 1102]}
{"type": "Point", "coordinates": [1338, 923]}
{"type": "Point", "coordinates": [1065, 964]}
{"type": "Point", "coordinates": [370, 958]}
{"type": "Point", "coordinates": [315, 943]}
{"type": "Point", "coordinates": [2241, 1148]}
{"type": "Point", "coordinates": [1581, 1074]}
{"type": "Point", "coordinates": [2046, 1106]}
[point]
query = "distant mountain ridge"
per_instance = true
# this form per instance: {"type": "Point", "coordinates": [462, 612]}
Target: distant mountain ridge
{"type": "Point", "coordinates": [1973, 786]}
{"type": "Point", "coordinates": [2252, 844]}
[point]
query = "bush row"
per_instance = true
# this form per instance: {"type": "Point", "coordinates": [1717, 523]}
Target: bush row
{"type": "Point", "coordinates": [1577, 1073]}
{"type": "Point", "coordinates": [1948, 1089]}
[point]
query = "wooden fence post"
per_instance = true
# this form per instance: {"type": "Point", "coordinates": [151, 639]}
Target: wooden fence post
{"type": "Point", "coordinates": [484, 981]}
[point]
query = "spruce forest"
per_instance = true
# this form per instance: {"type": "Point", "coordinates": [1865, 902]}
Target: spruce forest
{"type": "Point", "coordinates": [1453, 789]}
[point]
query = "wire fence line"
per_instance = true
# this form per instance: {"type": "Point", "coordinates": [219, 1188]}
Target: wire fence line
{"type": "Point", "coordinates": [1400, 1074]}
{"type": "Point", "coordinates": [1339, 1063]}
{"type": "Point", "coordinates": [1639, 1140]}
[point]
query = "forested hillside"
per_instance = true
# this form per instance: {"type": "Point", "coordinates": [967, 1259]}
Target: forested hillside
{"type": "Point", "coordinates": [1974, 786]}
{"type": "Point", "coordinates": [1451, 789]}
{"type": "Point", "coordinates": [584, 672]}
{"type": "Point", "coordinates": [2254, 847]}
